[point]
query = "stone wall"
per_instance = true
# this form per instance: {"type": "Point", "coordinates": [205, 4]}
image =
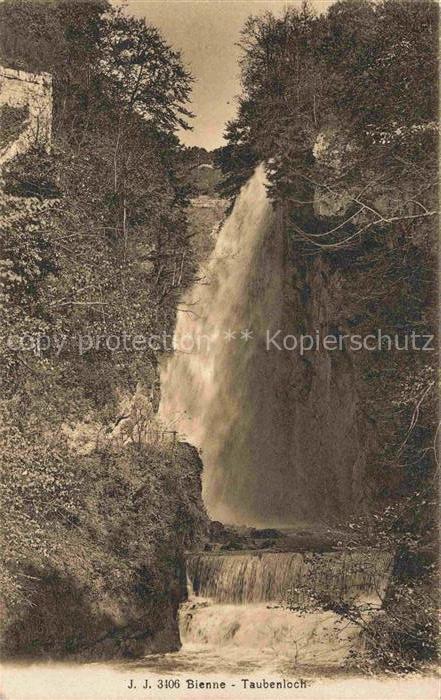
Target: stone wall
{"type": "Point", "coordinates": [32, 91]}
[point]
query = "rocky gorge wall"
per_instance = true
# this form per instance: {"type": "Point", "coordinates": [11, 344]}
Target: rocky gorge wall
{"type": "Point", "coordinates": [319, 388]}
{"type": "Point", "coordinates": [104, 577]}
{"type": "Point", "coordinates": [114, 588]}
{"type": "Point", "coordinates": [309, 440]}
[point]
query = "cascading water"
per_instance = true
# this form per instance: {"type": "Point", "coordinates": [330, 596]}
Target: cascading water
{"type": "Point", "coordinates": [236, 605]}
{"type": "Point", "coordinates": [218, 387]}
{"type": "Point", "coordinates": [224, 391]}
{"type": "Point", "coordinates": [226, 394]}
{"type": "Point", "coordinates": [269, 576]}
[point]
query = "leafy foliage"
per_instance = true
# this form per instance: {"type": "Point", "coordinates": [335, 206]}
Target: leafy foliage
{"type": "Point", "coordinates": [94, 245]}
{"type": "Point", "coordinates": [12, 123]}
{"type": "Point", "coordinates": [343, 109]}
{"type": "Point", "coordinates": [142, 73]}
{"type": "Point", "coordinates": [399, 622]}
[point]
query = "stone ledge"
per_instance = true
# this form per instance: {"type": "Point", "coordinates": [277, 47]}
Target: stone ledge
{"type": "Point", "coordinates": [38, 78]}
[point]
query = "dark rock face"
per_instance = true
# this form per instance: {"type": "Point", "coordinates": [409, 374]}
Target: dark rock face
{"type": "Point", "coordinates": [230, 538]}
{"type": "Point", "coordinates": [267, 532]}
{"type": "Point", "coordinates": [65, 622]}
{"type": "Point", "coordinates": [119, 594]}
{"type": "Point", "coordinates": [328, 441]}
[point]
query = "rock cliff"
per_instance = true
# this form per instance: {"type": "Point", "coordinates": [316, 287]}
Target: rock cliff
{"type": "Point", "coordinates": [114, 588]}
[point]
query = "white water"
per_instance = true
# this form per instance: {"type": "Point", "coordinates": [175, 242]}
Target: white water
{"type": "Point", "coordinates": [227, 642]}
{"type": "Point", "coordinates": [219, 393]}
{"type": "Point", "coordinates": [226, 397]}
{"type": "Point", "coordinates": [270, 576]}
{"type": "Point", "coordinates": [259, 636]}
{"type": "Point", "coordinates": [236, 617]}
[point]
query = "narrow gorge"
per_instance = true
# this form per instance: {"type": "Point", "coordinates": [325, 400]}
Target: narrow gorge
{"type": "Point", "coordinates": [219, 412]}
{"type": "Point", "coordinates": [264, 416]}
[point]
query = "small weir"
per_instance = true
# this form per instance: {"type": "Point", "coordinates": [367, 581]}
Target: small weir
{"type": "Point", "coordinates": [272, 576]}
{"type": "Point", "coordinates": [237, 605]}
{"type": "Point", "coordinates": [224, 393]}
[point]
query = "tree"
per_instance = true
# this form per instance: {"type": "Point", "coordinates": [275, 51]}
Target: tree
{"type": "Point", "coordinates": [343, 108]}
{"type": "Point", "coordinates": [100, 58]}
{"type": "Point", "coordinates": [142, 73]}
{"type": "Point", "coordinates": [94, 245]}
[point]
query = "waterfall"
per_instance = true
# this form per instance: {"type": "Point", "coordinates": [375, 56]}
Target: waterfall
{"type": "Point", "coordinates": [269, 576]}
{"type": "Point", "coordinates": [218, 389]}
{"type": "Point", "coordinates": [263, 635]}
{"type": "Point", "coordinates": [236, 609]}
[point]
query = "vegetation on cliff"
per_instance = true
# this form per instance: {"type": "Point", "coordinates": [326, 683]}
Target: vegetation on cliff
{"type": "Point", "coordinates": [95, 253]}
{"type": "Point", "coordinates": [343, 107]}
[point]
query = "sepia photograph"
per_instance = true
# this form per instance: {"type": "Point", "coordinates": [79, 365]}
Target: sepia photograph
{"type": "Point", "coordinates": [219, 364]}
